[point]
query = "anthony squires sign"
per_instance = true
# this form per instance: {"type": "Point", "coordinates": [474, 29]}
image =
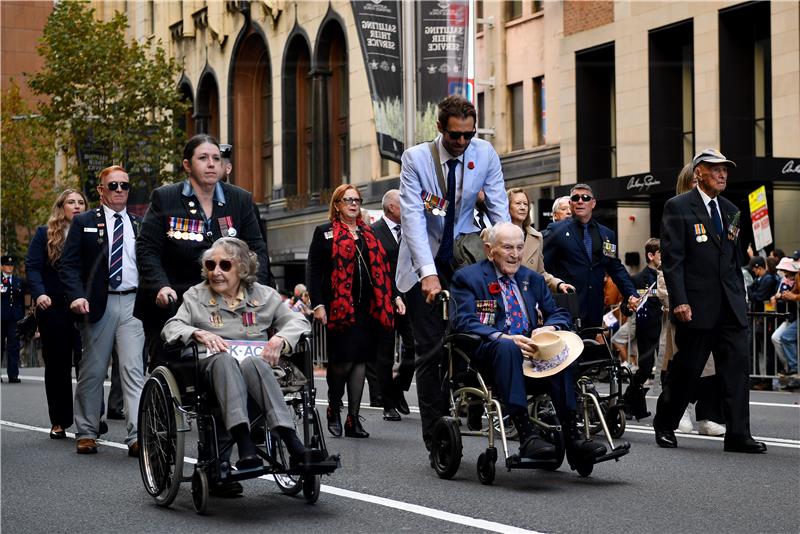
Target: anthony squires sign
{"type": "Point", "coordinates": [639, 183]}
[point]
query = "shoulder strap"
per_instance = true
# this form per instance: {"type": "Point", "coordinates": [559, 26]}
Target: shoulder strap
{"type": "Point", "coordinates": [437, 164]}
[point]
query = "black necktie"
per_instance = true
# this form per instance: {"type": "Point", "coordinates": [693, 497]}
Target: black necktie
{"type": "Point", "coordinates": [715, 218]}
{"type": "Point", "coordinates": [399, 233]}
{"type": "Point", "coordinates": [446, 247]}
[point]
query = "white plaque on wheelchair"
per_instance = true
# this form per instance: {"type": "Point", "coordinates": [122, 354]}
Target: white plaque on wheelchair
{"type": "Point", "coordinates": [610, 320]}
{"type": "Point", "coordinates": [244, 348]}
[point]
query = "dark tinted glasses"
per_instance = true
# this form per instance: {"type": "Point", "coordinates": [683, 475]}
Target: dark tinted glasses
{"type": "Point", "coordinates": [585, 198]}
{"type": "Point", "coordinates": [355, 201]}
{"type": "Point", "coordinates": [225, 265]}
{"type": "Point", "coordinates": [455, 136]}
{"type": "Point", "coordinates": [113, 186]}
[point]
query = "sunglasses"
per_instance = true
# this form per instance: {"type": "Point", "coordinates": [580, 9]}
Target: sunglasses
{"type": "Point", "coordinates": [585, 198]}
{"type": "Point", "coordinates": [351, 201]}
{"type": "Point", "coordinates": [211, 265]}
{"type": "Point", "coordinates": [455, 136]}
{"type": "Point", "coordinates": [113, 186]}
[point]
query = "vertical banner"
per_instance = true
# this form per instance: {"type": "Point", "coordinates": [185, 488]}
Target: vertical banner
{"type": "Point", "coordinates": [759, 214]}
{"type": "Point", "coordinates": [442, 59]}
{"type": "Point", "coordinates": [378, 24]}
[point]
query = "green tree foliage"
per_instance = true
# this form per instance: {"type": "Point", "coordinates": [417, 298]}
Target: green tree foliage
{"type": "Point", "coordinates": [27, 162]}
{"type": "Point", "coordinates": [110, 100]}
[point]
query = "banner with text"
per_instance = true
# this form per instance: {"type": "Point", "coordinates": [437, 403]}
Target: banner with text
{"type": "Point", "coordinates": [378, 24]}
{"type": "Point", "coordinates": [442, 59]}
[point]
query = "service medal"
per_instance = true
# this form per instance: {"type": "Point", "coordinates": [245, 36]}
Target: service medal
{"type": "Point", "coordinates": [232, 232]}
{"type": "Point", "coordinates": [699, 238]}
{"type": "Point", "coordinates": [435, 211]}
{"type": "Point", "coordinates": [198, 237]}
{"type": "Point", "coordinates": [178, 235]}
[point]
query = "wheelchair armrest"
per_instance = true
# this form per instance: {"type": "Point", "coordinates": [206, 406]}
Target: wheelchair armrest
{"type": "Point", "coordinates": [466, 342]}
{"type": "Point", "coordinates": [592, 331]}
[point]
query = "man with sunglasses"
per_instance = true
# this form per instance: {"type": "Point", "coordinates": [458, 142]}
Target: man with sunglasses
{"type": "Point", "coordinates": [98, 270]}
{"type": "Point", "coordinates": [580, 251]}
{"type": "Point", "coordinates": [439, 184]}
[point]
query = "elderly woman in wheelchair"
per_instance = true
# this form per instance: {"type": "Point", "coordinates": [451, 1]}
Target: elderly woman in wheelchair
{"type": "Point", "coordinates": [497, 302]}
{"type": "Point", "coordinates": [231, 305]}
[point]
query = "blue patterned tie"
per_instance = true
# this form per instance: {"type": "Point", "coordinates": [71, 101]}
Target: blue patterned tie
{"type": "Point", "coordinates": [445, 253]}
{"type": "Point", "coordinates": [715, 218]}
{"type": "Point", "coordinates": [587, 241]}
{"type": "Point", "coordinates": [516, 322]}
{"type": "Point", "coordinates": [115, 267]}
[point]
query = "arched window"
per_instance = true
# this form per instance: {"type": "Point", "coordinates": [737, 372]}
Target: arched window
{"type": "Point", "coordinates": [252, 118]}
{"type": "Point", "coordinates": [206, 117]}
{"type": "Point", "coordinates": [186, 121]}
{"type": "Point", "coordinates": [297, 118]}
{"type": "Point", "coordinates": [332, 73]}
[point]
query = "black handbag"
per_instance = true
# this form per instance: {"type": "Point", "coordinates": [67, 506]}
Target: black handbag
{"type": "Point", "coordinates": [27, 326]}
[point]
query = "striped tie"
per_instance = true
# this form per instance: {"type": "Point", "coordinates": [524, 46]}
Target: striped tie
{"type": "Point", "coordinates": [115, 268]}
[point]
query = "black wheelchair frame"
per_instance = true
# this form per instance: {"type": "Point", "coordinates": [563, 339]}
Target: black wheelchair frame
{"type": "Point", "coordinates": [177, 393]}
{"type": "Point", "coordinates": [467, 388]}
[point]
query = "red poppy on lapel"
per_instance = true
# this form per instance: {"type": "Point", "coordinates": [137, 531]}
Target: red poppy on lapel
{"type": "Point", "coordinates": [494, 288]}
{"type": "Point", "coordinates": [471, 165]}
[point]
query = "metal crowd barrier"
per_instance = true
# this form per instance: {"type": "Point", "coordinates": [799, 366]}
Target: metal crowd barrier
{"type": "Point", "coordinates": [319, 345]}
{"type": "Point", "coordinates": [764, 361]}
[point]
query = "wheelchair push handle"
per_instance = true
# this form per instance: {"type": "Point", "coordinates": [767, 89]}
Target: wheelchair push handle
{"type": "Point", "coordinates": [444, 298]}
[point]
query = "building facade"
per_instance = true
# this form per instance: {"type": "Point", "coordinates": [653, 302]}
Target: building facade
{"type": "Point", "coordinates": [616, 94]}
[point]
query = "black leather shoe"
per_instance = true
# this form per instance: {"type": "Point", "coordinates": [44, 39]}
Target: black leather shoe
{"type": "Point", "coordinates": [390, 414]}
{"type": "Point", "coordinates": [584, 450]}
{"type": "Point", "coordinates": [249, 462]}
{"type": "Point", "coordinates": [535, 448]}
{"type": "Point", "coordinates": [634, 398]}
{"type": "Point", "coordinates": [57, 432]}
{"type": "Point", "coordinates": [402, 405]}
{"type": "Point", "coordinates": [353, 428]}
{"type": "Point", "coordinates": [226, 490]}
{"type": "Point", "coordinates": [334, 422]}
{"type": "Point", "coordinates": [666, 438]}
{"type": "Point", "coordinates": [14, 380]}
{"type": "Point", "coordinates": [747, 445]}
{"type": "Point", "coordinates": [115, 415]}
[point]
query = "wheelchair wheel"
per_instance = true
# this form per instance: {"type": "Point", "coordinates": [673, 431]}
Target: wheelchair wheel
{"type": "Point", "coordinates": [486, 466]}
{"type": "Point", "coordinates": [311, 484]}
{"type": "Point", "coordinates": [585, 469]}
{"type": "Point", "coordinates": [446, 447]}
{"type": "Point", "coordinates": [161, 455]}
{"type": "Point", "coordinates": [199, 491]}
{"type": "Point", "coordinates": [543, 410]}
{"type": "Point", "coordinates": [615, 419]}
{"type": "Point", "coordinates": [288, 484]}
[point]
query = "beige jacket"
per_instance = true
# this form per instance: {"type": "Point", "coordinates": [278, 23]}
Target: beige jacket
{"type": "Point", "coordinates": [533, 259]}
{"type": "Point", "coordinates": [205, 310]}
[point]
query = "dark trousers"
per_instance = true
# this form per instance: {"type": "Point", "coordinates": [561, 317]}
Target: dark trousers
{"type": "Point", "coordinates": [728, 341]}
{"type": "Point", "coordinates": [709, 400]}
{"type": "Point", "coordinates": [647, 336]}
{"type": "Point", "coordinates": [391, 388]}
{"type": "Point", "coordinates": [61, 345]}
{"type": "Point", "coordinates": [429, 330]}
{"type": "Point", "coordinates": [10, 341]}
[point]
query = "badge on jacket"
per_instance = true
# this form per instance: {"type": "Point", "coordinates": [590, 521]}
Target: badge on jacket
{"type": "Point", "coordinates": [436, 205]}
{"type": "Point", "coordinates": [700, 234]}
{"type": "Point", "coordinates": [485, 310]}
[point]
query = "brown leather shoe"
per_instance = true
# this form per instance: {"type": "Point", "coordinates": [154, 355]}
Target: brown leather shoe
{"type": "Point", "coordinates": [133, 449]}
{"type": "Point", "coordinates": [86, 446]}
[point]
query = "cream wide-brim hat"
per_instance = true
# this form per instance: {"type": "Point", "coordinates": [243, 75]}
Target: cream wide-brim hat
{"type": "Point", "coordinates": [555, 351]}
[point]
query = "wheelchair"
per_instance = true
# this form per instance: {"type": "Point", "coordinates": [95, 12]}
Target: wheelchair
{"type": "Point", "coordinates": [469, 387]}
{"type": "Point", "coordinates": [176, 395]}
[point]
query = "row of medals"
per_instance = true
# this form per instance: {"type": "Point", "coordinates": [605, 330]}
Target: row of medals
{"type": "Point", "coordinates": [188, 236]}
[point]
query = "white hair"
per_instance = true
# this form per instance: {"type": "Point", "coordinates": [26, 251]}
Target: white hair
{"type": "Point", "coordinates": [503, 227]}
{"type": "Point", "coordinates": [558, 202]}
{"type": "Point", "coordinates": [392, 195]}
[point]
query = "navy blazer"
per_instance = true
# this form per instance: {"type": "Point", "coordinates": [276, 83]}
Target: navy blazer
{"type": "Point", "coordinates": [42, 276]}
{"type": "Point", "coordinates": [565, 258]}
{"type": "Point", "coordinates": [13, 299]}
{"type": "Point", "coordinates": [83, 268]}
{"type": "Point", "coordinates": [702, 273]}
{"type": "Point", "coordinates": [167, 262]}
{"type": "Point", "coordinates": [472, 283]}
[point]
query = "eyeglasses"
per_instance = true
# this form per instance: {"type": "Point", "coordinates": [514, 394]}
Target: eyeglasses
{"type": "Point", "coordinates": [585, 198]}
{"type": "Point", "coordinates": [351, 201]}
{"type": "Point", "coordinates": [455, 136]}
{"type": "Point", "coordinates": [113, 186]}
{"type": "Point", "coordinates": [225, 265]}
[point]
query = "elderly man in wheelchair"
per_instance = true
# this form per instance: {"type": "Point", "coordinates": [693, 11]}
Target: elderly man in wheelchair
{"type": "Point", "coordinates": [230, 305]}
{"type": "Point", "coordinates": [499, 300]}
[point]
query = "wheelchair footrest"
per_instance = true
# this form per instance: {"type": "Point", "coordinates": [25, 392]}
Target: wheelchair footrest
{"type": "Point", "coordinates": [325, 467]}
{"type": "Point", "coordinates": [615, 454]}
{"type": "Point", "coordinates": [515, 462]}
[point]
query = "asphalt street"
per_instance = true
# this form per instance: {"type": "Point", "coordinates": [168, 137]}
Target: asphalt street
{"type": "Point", "coordinates": [385, 483]}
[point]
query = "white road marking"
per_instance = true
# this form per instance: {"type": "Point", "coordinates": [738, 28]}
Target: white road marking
{"type": "Point", "coordinates": [433, 513]}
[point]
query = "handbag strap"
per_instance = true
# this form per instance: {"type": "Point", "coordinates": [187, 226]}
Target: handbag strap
{"type": "Point", "coordinates": [437, 164]}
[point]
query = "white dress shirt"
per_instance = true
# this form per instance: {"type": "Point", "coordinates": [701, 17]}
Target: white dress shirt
{"type": "Point", "coordinates": [130, 276]}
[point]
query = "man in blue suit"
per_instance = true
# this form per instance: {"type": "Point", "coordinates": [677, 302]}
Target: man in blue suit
{"type": "Point", "coordinates": [439, 184]}
{"type": "Point", "coordinates": [499, 300]}
{"type": "Point", "coordinates": [580, 251]}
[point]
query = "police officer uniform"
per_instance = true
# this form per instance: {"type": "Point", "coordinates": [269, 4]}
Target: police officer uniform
{"type": "Point", "coordinates": [13, 309]}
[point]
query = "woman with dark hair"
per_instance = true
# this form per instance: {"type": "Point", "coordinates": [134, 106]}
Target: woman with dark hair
{"type": "Point", "coordinates": [351, 294]}
{"type": "Point", "coordinates": [61, 342]}
{"type": "Point", "coordinates": [184, 219]}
